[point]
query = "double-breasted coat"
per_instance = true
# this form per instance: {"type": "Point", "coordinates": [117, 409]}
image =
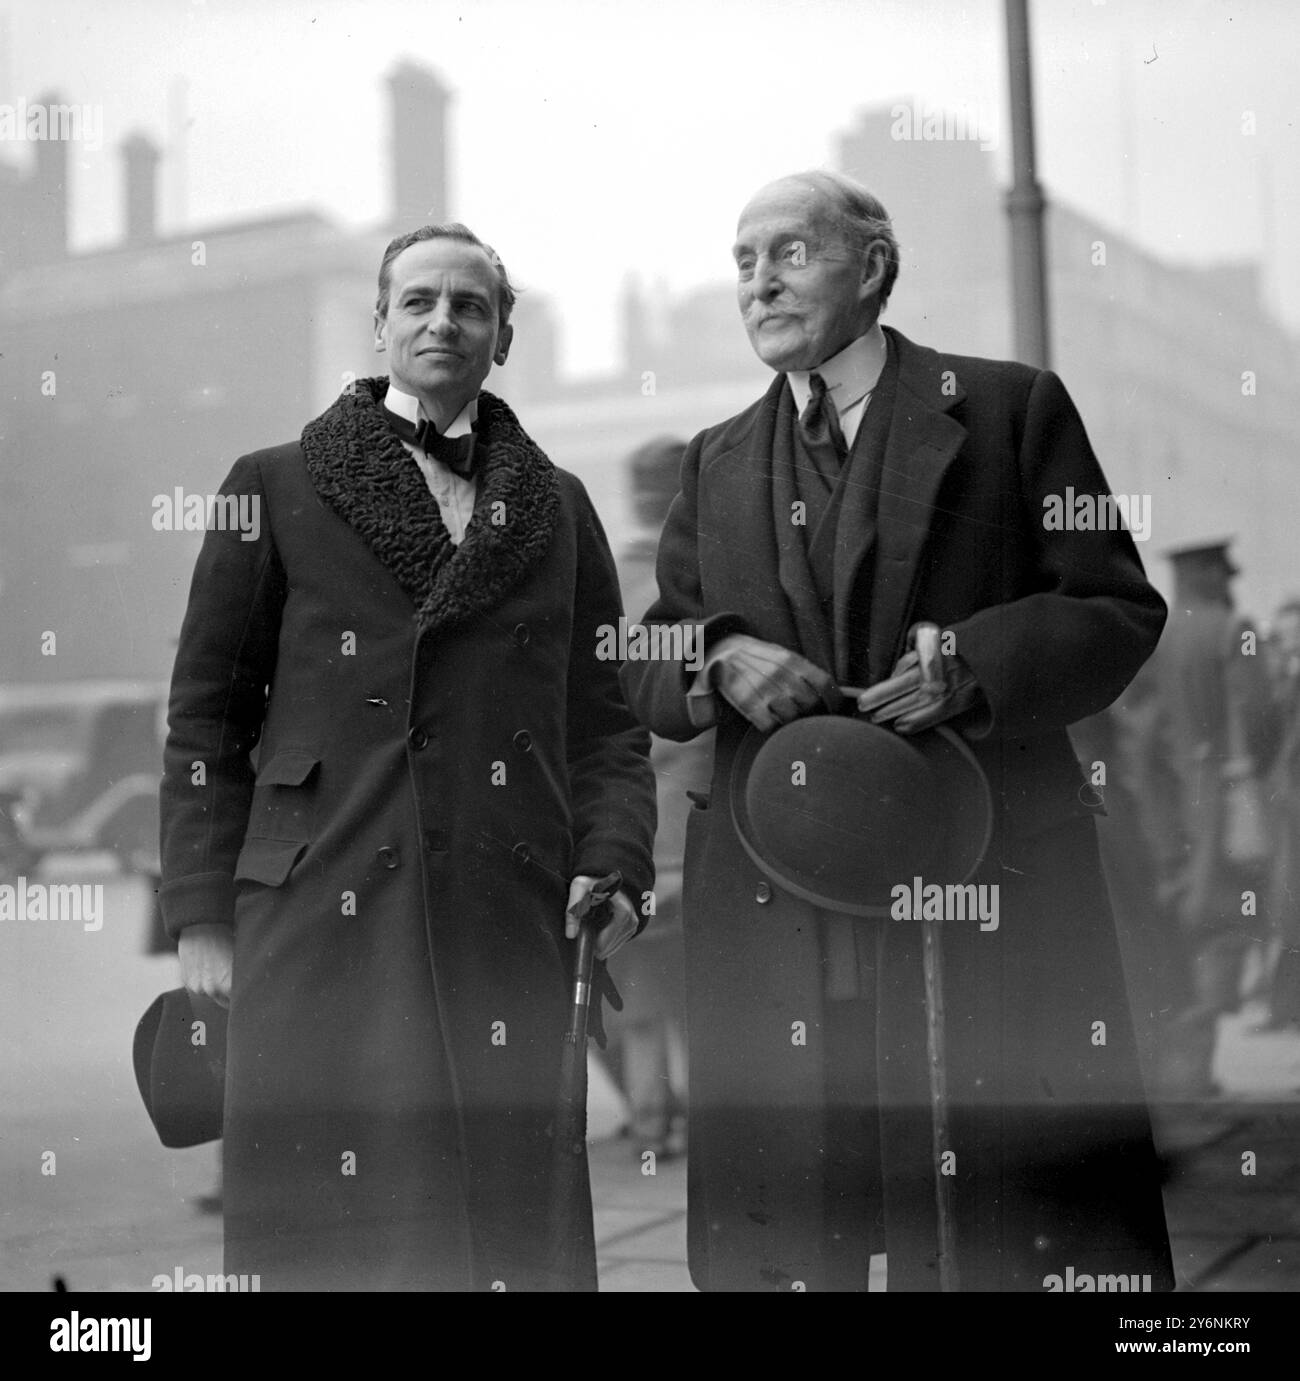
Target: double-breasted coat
{"type": "Point", "coordinates": [439, 751]}
{"type": "Point", "coordinates": [1054, 1165]}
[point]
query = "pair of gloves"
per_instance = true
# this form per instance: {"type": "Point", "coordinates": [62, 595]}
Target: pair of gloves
{"type": "Point", "coordinates": [771, 685]}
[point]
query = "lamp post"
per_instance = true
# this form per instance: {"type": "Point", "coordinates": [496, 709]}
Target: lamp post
{"type": "Point", "coordinates": [1025, 200]}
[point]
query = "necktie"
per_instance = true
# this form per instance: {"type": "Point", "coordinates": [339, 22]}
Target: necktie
{"type": "Point", "coordinates": [820, 421]}
{"type": "Point", "coordinates": [457, 453]}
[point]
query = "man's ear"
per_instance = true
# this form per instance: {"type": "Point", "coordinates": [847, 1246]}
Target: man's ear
{"type": "Point", "coordinates": [874, 259]}
{"type": "Point", "coordinates": [506, 335]}
{"type": "Point", "coordinates": [380, 343]}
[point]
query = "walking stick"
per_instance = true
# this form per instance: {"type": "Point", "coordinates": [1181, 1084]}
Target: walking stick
{"type": "Point", "coordinates": [927, 642]}
{"type": "Point", "coordinates": [571, 1203]}
{"type": "Point", "coordinates": [932, 960]}
{"type": "Point", "coordinates": [571, 1111]}
{"type": "Point", "coordinates": [931, 665]}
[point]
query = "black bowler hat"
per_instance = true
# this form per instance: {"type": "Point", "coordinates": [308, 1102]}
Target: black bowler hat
{"type": "Point", "coordinates": [182, 1081]}
{"type": "Point", "coordinates": [869, 810]}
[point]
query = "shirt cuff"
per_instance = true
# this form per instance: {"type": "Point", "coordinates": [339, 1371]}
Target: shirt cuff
{"type": "Point", "coordinates": [702, 701]}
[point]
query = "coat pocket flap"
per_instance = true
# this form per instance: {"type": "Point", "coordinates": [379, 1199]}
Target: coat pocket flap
{"type": "Point", "coordinates": [289, 767]}
{"type": "Point", "coordinates": [268, 861]}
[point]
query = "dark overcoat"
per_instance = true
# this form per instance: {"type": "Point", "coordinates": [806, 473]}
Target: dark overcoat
{"type": "Point", "coordinates": [439, 751]}
{"type": "Point", "coordinates": [1054, 1165]}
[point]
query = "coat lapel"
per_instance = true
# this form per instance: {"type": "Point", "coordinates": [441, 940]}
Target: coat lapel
{"type": "Point", "coordinates": [362, 471]}
{"type": "Point", "coordinates": [854, 513]}
{"type": "Point", "coordinates": [739, 483]}
{"type": "Point", "coordinates": [923, 440]}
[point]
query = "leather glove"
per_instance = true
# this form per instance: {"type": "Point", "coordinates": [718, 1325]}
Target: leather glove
{"type": "Point", "coordinates": [620, 928]}
{"type": "Point", "coordinates": [926, 687]}
{"type": "Point", "coordinates": [769, 684]}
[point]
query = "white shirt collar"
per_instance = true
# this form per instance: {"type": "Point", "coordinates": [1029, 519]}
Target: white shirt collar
{"type": "Point", "coordinates": [849, 376]}
{"type": "Point", "coordinates": [408, 406]}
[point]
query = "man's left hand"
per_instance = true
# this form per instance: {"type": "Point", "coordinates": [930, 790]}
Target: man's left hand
{"type": "Point", "coordinates": [611, 937]}
{"type": "Point", "coordinates": [926, 688]}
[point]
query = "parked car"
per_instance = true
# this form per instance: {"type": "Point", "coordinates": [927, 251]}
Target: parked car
{"type": "Point", "coordinates": [80, 766]}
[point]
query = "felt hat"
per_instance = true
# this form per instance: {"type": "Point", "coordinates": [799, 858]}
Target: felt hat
{"type": "Point", "coordinates": [838, 811]}
{"type": "Point", "coordinates": [180, 1066]}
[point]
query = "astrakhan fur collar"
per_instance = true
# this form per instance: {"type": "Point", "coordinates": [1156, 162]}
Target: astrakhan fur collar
{"type": "Point", "coordinates": [363, 472]}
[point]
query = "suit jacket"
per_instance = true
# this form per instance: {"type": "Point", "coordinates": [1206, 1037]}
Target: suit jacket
{"type": "Point", "coordinates": [1053, 624]}
{"type": "Point", "coordinates": [439, 751]}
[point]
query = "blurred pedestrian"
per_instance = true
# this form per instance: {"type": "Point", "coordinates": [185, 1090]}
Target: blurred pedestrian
{"type": "Point", "coordinates": [1114, 748]}
{"type": "Point", "coordinates": [1284, 798]}
{"type": "Point", "coordinates": [650, 975]}
{"type": "Point", "coordinates": [1216, 715]}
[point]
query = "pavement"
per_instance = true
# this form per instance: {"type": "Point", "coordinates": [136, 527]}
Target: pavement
{"type": "Point", "coordinates": [1232, 1196]}
{"type": "Point", "coordinates": [88, 1194]}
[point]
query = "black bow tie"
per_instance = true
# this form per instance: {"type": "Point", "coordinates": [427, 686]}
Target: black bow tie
{"type": "Point", "coordinates": [455, 452]}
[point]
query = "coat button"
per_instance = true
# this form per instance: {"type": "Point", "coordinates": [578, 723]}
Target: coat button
{"type": "Point", "coordinates": [521, 633]}
{"type": "Point", "coordinates": [418, 738]}
{"type": "Point", "coordinates": [523, 740]}
{"type": "Point", "coordinates": [522, 853]}
{"type": "Point", "coordinates": [388, 856]}
{"type": "Point", "coordinates": [763, 893]}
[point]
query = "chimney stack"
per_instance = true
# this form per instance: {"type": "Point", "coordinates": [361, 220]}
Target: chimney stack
{"type": "Point", "coordinates": [13, 202]}
{"type": "Point", "coordinates": [140, 156]}
{"type": "Point", "coordinates": [47, 199]}
{"type": "Point", "coordinates": [418, 112]}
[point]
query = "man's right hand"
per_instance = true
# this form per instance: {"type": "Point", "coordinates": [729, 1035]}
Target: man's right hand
{"type": "Point", "coordinates": [767, 683]}
{"type": "Point", "coordinates": [207, 955]}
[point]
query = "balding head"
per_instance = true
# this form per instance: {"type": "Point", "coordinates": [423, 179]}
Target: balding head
{"type": "Point", "coordinates": [816, 258]}
{"type": "Point", "coordinates": [846, 205]}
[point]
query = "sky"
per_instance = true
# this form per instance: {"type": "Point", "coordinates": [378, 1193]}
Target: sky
{"type": "Point", "coordinates": [591, 141]}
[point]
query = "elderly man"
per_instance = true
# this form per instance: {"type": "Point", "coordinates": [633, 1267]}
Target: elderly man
{"type": "Point", "coordinates": [877, 486]}
{"type": "Point", "coordinates": [444, 767]}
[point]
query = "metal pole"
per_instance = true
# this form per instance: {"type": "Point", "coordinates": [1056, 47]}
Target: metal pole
{"type": "Point", "coordinates": [1024, 200]}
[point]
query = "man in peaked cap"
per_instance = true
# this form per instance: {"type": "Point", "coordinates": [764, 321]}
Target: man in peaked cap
{"type": "Point", "coordinates": [879, 485]}
{"type": "Point", "coordinates": [1216, 730]}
